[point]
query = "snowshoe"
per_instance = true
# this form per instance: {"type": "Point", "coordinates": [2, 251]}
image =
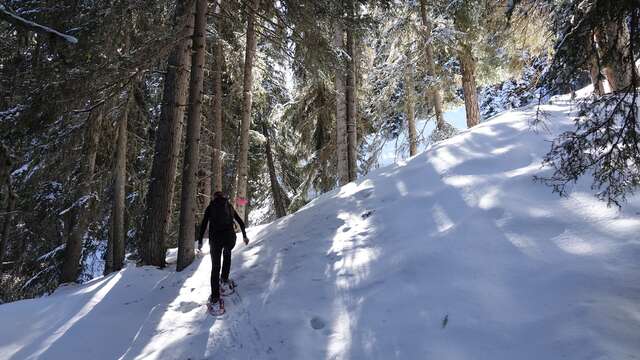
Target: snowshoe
{"type": "Point", "coordinates": [227, 287]}
{"type": "Point", "coordinates": [215, 308]}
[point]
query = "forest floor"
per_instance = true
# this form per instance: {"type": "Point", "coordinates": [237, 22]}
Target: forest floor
{"type": "Point", "coordinates": [454, 254]}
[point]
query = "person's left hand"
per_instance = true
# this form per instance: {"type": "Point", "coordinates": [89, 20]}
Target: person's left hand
{"type": "Point", "coordinates": [246, 241]}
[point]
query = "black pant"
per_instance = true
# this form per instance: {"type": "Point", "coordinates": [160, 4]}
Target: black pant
{"type": "Point", "coordinates": [221, 244]}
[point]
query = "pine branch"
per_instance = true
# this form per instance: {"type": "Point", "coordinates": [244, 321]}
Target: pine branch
{"type": "Point", "coordinates": [32, 26]}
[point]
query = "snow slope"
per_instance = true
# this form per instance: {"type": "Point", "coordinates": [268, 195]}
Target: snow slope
{"type": "Point", "coordinates": [455, 254]}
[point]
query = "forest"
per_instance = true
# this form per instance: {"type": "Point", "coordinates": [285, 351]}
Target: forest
{"type": "Point", "coordinates": [120, 118]}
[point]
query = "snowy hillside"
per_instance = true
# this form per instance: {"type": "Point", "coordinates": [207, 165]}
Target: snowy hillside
{"type": "Point", "coordinates": [455, 254]}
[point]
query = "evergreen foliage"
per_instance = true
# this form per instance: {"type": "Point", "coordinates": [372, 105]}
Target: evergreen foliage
{"type": "Point", "coordinates": [61, 99]}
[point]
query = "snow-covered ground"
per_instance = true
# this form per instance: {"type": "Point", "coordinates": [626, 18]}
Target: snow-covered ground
{"type": "Point", "coordinates": [455, 254]}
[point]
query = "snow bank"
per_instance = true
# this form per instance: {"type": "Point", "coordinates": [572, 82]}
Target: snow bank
{"type": "Point", "coordinates": [455, 254]}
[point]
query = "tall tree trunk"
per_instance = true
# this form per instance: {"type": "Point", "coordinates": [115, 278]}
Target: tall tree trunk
{"type": "Point", "coordinates": [410, 108]}
{"type": "Point", "coordinates": [352, 124]}
{"type": "Point", "coordinates": [5, 178]}
{"type": "Point", "coordinates": [594, 68]}
{"type": "Point", "coordinates": [276, 191]}
{"type": "Point", "coordinates": [619, 64]}
{"type": "Point", "coordinates": [341, 113]}
{"type": "Point", "coordinates": [81, 213]}
{"type": "Point", "coordinates": [216, 158]}
{"type": "Point", "coordinates": [5, 165]}
{"type": "Point", "coordinates": [243, 161]}
{"type": "Point", "coordinates": [167, 146]}
{"type": "Point", "coordinates": [203, 195]}
{"type": "Point", "coordinates": [594, 72]}
{"type": "Point", "coordinates": [188, 202]}
{"type": "Point", "coordinates": [433, 91]}
{"type": "Point", "coordinates": [8, 218]}
{"type": "Point", "coordinates": [116, 247]}
{"type": "Point", "coordinates": [468, 69]}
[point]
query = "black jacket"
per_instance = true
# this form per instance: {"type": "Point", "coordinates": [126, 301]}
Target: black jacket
{"type": "Point", "coordinates": [207, 220]}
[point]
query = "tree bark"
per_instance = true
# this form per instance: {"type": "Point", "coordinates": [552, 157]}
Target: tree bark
{"type": "Point", "coordinates": [468, 69]}
{"type": "Point", "coordinates": [5, 165]}
{"type": "Point", "coordinates": [410, 108]}
{"type": "Point", "coordinates": [191, 161]}
{"type": "Point", "coordinates": [352, 124]}
{"type": "Point", "coordinates": [594, 68]}
{"type": "Point", "coordinates": [203, 193]}
{"type": "Point", "coordinates": [341, 113]}
{"type": "Point", "coordinates": [167, 148]}
{"type": "Point", "coordinates": [433, 91]}
{"type": "Point", "coordinates": [6, 226]}
{"type": "Point", "coordinates": [276, 191]}
{"type": "Point", "coordinates": [81, 213]}
{"type": "Point", "coordinates": [619, 65]}
{"type": "Point", "coordinates": [115, 253]}
{"type": "Point", "coordinates": [216, 159]}
{"type": "Point", "coordinates": [594, 72]}
{"type": "Point", "coordinates": [243, 161]}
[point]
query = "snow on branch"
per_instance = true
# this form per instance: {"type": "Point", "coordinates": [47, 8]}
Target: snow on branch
{"type": "Point", "coordinates": [20, 21]}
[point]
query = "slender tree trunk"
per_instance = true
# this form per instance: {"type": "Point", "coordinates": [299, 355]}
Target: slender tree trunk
{"type": "Point", "coordinates": [203, 196]}
{"type": "Point", "coordinates": [108, 257]}
{"type": "Point", "coordinates": [276, 191]}
{"type": "Point", "coordinates": [120, 192]}
{"type": "Point", "coordinates": [6, 226]}
{"type": "Point", "coordinates": [188, 202]}
{"type": "Point", "coordinates": [433, 91]}
{"type": "Point", "coordinates": [243, 161]}
{"type": "Point", "coordinates": [341, 114]}
{"type": "Point", "coordinates": [167, 147]}
{"type": "Point", "coordinates": [594, 72]}
{"type": "Point", "coordinates": [619, 68]}
{"type": "Point", "coordinates": [352, 124]}
{"type": "Point", "coordinates": [5, 170]}
{"type": "Point", "coordinates": [81, 213]}
{"type": "Point", "coordinates": [5, 165]}
{"type": "Point", "coordinates": [468, 69]}
{"type": "Point", "coordinates": [594, 68]}
{"type": "Point", "coordinates": [116, 246]}
{"type": "Point", "coordinates": [410, 108]}
{"type": "Point", "coordinates": [216, 159]}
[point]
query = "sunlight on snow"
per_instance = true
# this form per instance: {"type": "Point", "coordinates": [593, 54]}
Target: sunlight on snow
{"type": "Point", "coordinates": [340, 340]}
{"type": "Point", "coordinates": [275, 274]}
{"type": "Point", "coordinates": [443, 159]}
{"type": "Point", "coordinates": [570, 242]}
{"type": "Point", "coordinates": [502, 150]}
{"type": "Point", "coordinates": [402, 188]}
{"type": "Point", "coordinates": [489, 199]}
{"type": "Point", "coordinates": [166, 332]}
{"type": "Point", "coordinates": [460, 180]}
{"type": "Point", "coordinates": [524, 244]}
{"type": "Point", "coordinates": [442, 220]}
{"type": "Point", "coordinates": [352, 267]}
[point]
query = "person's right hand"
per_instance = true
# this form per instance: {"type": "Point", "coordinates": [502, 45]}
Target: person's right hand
{"type": "Point", "coordinates": [246, 241]}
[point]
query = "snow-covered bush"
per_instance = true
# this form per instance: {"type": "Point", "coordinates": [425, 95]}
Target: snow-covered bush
{"type": "Point", "coordinates": [512, 93]}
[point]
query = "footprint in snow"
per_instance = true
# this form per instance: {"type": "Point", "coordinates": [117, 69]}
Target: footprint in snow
{"type": "Point", "coordinates": [187, 306]}
{"type": "Point", "coordinates": [367, 213]}
{"type": "Point", "coordinates": [364, 194]}
{"type": "Point", "coordinates": [317, 323]}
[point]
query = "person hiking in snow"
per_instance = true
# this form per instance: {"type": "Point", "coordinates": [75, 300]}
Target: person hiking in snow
{"type": "Point", "coordinates": [219, 215]}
